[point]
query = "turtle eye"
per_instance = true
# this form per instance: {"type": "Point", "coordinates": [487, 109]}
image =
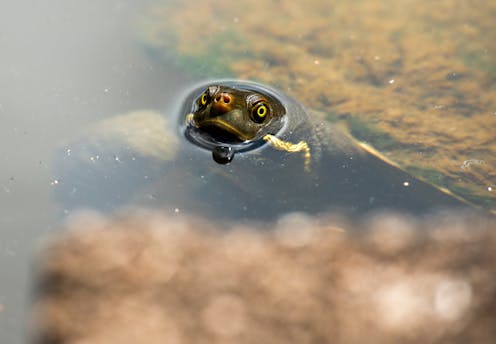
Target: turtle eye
{"type": "Point", "coordinates": [203, 99]}
{"type": "Point", "coordinates": [259, 112]}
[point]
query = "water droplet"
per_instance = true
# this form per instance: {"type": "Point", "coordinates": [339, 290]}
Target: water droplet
{"type": "Point", "coordinates": [223, 154]}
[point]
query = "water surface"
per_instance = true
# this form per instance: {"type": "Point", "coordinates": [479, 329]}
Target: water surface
{"type": "Point", "coordinates": [62, 66]}
{"type": "Point", "coordinates": [65, 67]}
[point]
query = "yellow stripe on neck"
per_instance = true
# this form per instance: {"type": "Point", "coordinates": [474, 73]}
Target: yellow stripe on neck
{"type": "Point", "coordinates": [301, 146]}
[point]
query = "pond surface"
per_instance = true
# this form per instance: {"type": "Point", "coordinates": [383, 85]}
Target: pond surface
{"type": "Point", "coordinates": [66, 67]}
{"type": "Point", "coordinates": [63, 66]}
{"type": "Point", "coordinates": [417, 81]}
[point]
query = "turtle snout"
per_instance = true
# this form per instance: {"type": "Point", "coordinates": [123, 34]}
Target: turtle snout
{"type": "Point", "coordinates": [222, 103]}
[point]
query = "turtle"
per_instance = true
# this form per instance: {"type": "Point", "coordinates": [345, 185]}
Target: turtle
{"type": "Point", "coordinates": [239, 150]}
{"type": "Point", "coordinates": [422, 98]}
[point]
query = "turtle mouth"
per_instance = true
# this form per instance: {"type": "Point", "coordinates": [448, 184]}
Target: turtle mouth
{"type": "Point", "coordinates": [222, 131]}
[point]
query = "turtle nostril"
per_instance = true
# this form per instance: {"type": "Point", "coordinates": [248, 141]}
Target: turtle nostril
{"type": "Point", "coordinates": [226, 98]}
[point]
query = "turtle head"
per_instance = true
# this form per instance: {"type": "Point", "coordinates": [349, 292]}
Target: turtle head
{"type": "Point", "coordinates": [234, 115]}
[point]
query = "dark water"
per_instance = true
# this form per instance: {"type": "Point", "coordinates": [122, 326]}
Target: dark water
{"type": "Point", "coordinates": [62, 66]}
{"type": "Point", "coordinates": [107, 169]}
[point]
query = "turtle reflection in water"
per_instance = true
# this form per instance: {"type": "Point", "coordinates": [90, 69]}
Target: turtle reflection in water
{"type": "Point", "coordinates": [273, 157]}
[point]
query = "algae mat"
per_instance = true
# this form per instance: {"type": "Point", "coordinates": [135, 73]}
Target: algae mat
{"type": "Point", "coordinates": [415, 79]}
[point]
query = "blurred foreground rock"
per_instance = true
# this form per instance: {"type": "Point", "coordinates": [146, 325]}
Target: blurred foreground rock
{"type": "Point", "coordinates": [147, 278]}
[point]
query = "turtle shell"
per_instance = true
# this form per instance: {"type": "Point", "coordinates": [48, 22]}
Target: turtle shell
{"type": "Point", "coordinates": [423, 98]}
{"type": "Point", "coordinates": [152, 159]}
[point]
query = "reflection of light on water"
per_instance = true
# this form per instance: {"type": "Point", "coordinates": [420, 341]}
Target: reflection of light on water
{"type": "Point", "coordinates": [392, 279]}
{"type": "Point", "coordinates": [453, 298]}
{"type": "Point", "coordinates": [418, 300]}
{"type": "Point", "coordinates": [402, 304]}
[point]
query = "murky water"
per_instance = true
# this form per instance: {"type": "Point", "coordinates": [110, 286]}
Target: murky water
{"type": "Point", "coordinates": [65, 67]}
{"type": "Point", "coordinates": [415, 80]}
{"type": "Point", "coordinates": [62, 66]}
